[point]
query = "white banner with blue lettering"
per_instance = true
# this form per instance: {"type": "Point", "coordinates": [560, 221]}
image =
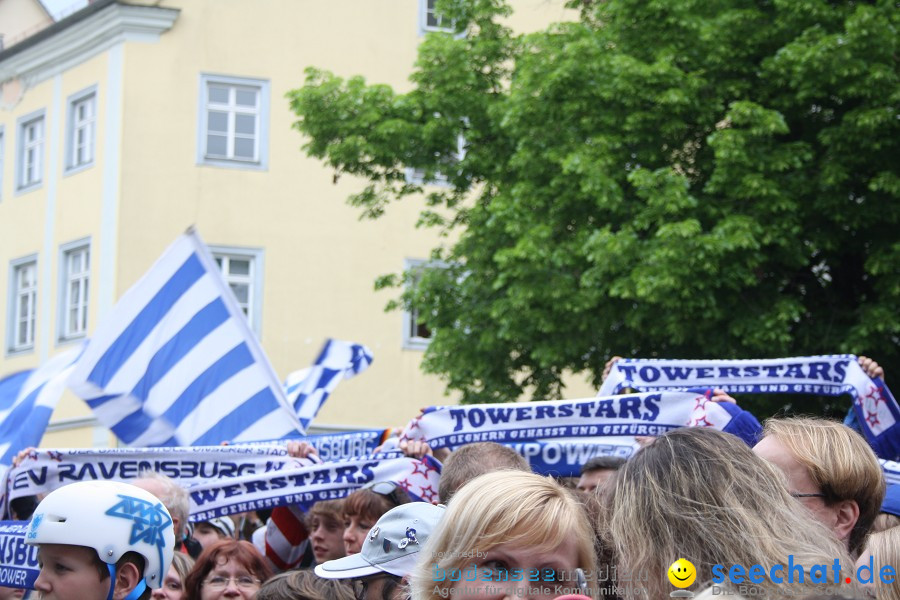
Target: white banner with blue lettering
{"type": "Point", "coordinates": [557, 437]}
{"type": "Point", "coordinates": [332, 446]}
{"type": "Point", "coordinates": [222, 480]}
{"type": "Point", "coordinates": [831, 375]}
{"type": "Point", "coordinates": [891, 471]}
{"type": "Point", "coordinates": [18, 561]}
{"type": "Point", "coordinates": [309, 484]}
{"type": "Point", "coordinates": [43, 471]}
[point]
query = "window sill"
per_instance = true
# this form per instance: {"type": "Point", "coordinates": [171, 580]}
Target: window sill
{"type": "Point", "coordinates": [14, 352]}
{"type": "Point", "coordinates": [233, 164]}
{"type": "Point", "coordinates": [29, 188]}
{"type": "Point", "coordinates": [77, 169]}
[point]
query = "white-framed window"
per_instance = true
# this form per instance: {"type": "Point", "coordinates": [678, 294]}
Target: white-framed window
{"type": "Point", "coordinates": [81, 130]}
{"type": "Point", "coordinates": [431, 20]}
{"type": "Point", "coordinates": [233, 122]}
{"type": "Point", "coordinates": [22, 304]}
{"type": "Point", "coordinates": [417, 176]}
{"type": "Point", "coordinates": [75, 278]}
{"type": "Point", "coordinates": [2, 156]}
{"type": "Point", "coordinates": [242, 270]}
{"type": "Point", "coordinates": [30, 160]}
{"type": "Point", "coordinates": [417, 335]}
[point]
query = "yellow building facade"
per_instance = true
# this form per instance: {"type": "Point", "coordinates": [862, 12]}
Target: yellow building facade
{"type": "Point", "coordinates": [124, 124]}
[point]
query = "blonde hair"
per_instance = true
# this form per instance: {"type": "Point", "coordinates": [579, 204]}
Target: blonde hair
{"type": "Point", "coordinates": [183, 564]}
{"type": "Point", "coordinates": [503, 507]}
{"type": "Point", "coordinates": [884, 521]}
{"type": "Point", "coordinates": [839, 462]}
{"type": "Point", "coordinates": [702, 495]}
{"type": "Point", "coordinates": [885, 549]}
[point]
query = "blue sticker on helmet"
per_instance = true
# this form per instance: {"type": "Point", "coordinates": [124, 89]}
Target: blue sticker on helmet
{"type": "Point", "coordinates": [150, 520]}
{"type": "Point", "coordinates": [35, 523]}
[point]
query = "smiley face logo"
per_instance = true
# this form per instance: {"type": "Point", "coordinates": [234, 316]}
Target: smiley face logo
{"type": "Point", "coordinates": [682, 573]}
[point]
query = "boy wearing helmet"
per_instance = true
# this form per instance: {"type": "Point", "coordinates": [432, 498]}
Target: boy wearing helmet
{"type": "Point", "coordinates": [101, 540]}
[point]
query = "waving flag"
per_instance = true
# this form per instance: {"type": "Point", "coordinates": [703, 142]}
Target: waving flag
{"type": "Point", "coordinates": [308, 389]}
{"type": "Point", "coordinates": [176, 364]}
{"type": "Point", "coordinates": [27, 400]}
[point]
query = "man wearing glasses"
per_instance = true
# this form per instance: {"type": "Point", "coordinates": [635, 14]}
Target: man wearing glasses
{"type": "Point", "coordinates": [831, 470]}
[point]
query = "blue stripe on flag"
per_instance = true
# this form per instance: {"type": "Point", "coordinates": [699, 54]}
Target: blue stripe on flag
{"type": "Point", "coordinates": [237, 359]}
{"type": "Point", "coordinates": [327, 376]}
{"type": "Point", "coordinates": [202, 324]}
{"type": "Point", "coordinates": [28, 399]}
{"type": "Point", "coordinates": [101, 400]}
{"type": "Point", "coordinates": [13, 383]}
{"type": "Point", "coordinates": [17, 416]}
{"type": "Point", "coordinates": [25, 438]}
{"type": "Point", "coordinates": [125, 345]}
{"type": "Point", "coordinates": [132, 426]}
{"type": "Point", "coordinates": [248, 413]}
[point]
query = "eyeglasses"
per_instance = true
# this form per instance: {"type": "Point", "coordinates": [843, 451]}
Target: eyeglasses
{"type": "Point", "coordinates": [388, 489]}
{"type": "Point", "coordinates": [807, 495]}
{"type": "Point", "coordinates": [244, 582]}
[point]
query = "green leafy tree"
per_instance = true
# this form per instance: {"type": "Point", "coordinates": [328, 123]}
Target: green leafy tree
{"type": "Point", "coordinates": [672, 178]}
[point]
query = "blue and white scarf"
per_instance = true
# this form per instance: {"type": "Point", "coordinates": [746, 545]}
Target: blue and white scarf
{"type": "Point", "coordinates": [832, 375]}
{"type": "Point", "coordinates": [222, 480]}
{"type": "Point", "coordinates": [309, 484]}
{"type": "Point", "coordinates": [557, 437]}
{"type": "Point", "coordinates": [333, 446]}
{"type": "Point", "coordinates": [18, 561]}
{"type": "Point", "coordinates": [891, 471]}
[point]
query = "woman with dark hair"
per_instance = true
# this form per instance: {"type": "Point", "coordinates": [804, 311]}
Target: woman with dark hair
{"type": "Point", "coordinates": [365, 506]}
{"type": "Point", "coordinates": [227, 569]}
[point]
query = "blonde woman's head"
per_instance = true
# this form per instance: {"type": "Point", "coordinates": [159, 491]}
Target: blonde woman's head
{"type": "Point", "coordinates": [500, 524]}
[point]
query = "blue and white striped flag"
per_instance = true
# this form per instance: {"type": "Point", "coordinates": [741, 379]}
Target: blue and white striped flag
{"type": "Point", "coordinates": [307, 389]}
{"type": "Point", "coordinates": [176, 364]}
{"type": "Point", "coordinates": [27, 400]}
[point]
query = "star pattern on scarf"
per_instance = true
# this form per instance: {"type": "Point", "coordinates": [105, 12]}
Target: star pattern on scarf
{"type": "Point", "coordinates": [412, 426]}
{"type": "Point", "coordinates": [429, 467]}
{"type": "Point", "coordinates": [872, 418]}
{"type": "Point", "coordinates": [428, 494]}
{"type": "Point", "coordinates": [700, 422]}
{"type": "Point", "coordinates": [875, 395]}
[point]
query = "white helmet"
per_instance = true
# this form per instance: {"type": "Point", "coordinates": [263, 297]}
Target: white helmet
{"type": "Point", "coordinates": [112, 518]}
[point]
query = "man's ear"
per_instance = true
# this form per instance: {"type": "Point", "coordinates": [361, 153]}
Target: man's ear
{"type": "Point", "coordinates": [127, 578]}
{"type": "Point", "coordinates": [846, 515]}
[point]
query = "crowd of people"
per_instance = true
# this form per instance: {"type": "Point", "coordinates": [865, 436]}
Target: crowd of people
{"type": "Point", "coordinates": [803, 513]}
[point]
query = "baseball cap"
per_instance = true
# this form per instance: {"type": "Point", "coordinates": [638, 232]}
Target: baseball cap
{"type": "Point", "coordinates": [391, 546]}
{"type": "Point", "coordinates": [223, 524]}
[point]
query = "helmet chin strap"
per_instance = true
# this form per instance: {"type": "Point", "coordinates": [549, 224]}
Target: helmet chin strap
{"type": "Point", "coordinates": [133, 595]}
